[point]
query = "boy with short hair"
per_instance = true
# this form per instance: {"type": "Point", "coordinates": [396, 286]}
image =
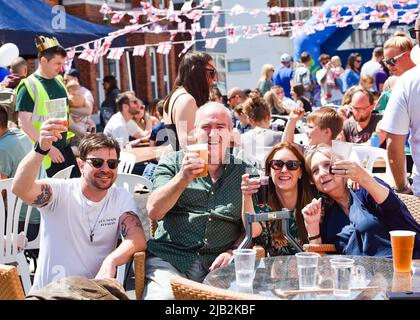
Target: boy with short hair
{"type": "Point", "coordinates": [323, 125]}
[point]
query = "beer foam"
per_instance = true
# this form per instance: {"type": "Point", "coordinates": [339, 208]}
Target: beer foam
{"type": "Point", "coordinates": [402, 233]}
{"type": "Point", "coordinates": [197, 147]}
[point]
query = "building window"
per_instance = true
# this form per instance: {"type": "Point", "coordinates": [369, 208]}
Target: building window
{"type": "Point", "coordinates": [153, 72]}
{"type": "Point", "coordinates": [239, 65]}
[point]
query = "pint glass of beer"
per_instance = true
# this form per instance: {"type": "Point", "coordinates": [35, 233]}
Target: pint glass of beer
{"type": "Point", "coordinates": [202, 150]}
{"type": "Point", "coordinates": [402, 243]}
{"type": "Point", "coordinates": [57, 108]}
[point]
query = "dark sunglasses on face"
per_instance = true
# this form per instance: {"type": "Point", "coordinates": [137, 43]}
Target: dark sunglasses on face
{"type": "Point", "coordinates": [212, 72]}
{"type": "Point", "coordinates": [98, 163]}
{"type": "Point", "coordinates": [393, 61]}
{"type": "Point", "coordinates": [290, 164]}
{"type": "Point", "coordinates": [412, 32]}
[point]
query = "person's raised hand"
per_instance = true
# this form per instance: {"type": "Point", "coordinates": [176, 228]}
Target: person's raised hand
{"type": "Point", "coordinates": [312, 214]}
{"type": "Point", "coordinates": [350, 170]}
{"type": "Point", "coordinates": [50, 132]}
{"type": "Point", "coordinates": [192, 165]}
{"type": "Point", "coordinates": [297, 113]}
{"type": "Point", "coordinates": [249, 185]}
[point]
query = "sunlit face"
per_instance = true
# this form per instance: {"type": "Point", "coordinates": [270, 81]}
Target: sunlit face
{"type": "Point", "coordinates": [317, 135]}
{"type": "Point", "coordinates": [402, 61]}
{"type": "Point", "coordinates": [53, 67]}
{"type": "Point", "coordinates": [360, 106]}
{"type": "Point", "coordinates": [211, 73]}
{"type": "Point", "coordinates": [68, 78]}
{"type": "Point", "coordinates": [285, 179]}
{"type": "Point", "coordinates": [135, 107]}
{"type": "Point", "coordinates": [324, 181]}
{"type": "Point", "coordinates": [214, 128]}
{"type": "Point", "coordinates": [99, 178]}
{"type": "Point", "coordinates": [279, 93]}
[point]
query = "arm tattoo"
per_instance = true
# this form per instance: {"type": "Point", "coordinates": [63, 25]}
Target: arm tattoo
{"type": "Point", "coordinates": [133, 220]}
{"type": "Point", "coordinates": [44, 197]}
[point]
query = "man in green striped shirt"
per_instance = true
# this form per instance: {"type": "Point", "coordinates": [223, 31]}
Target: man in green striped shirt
{"type": "Point", "coordinates": [199, 218]}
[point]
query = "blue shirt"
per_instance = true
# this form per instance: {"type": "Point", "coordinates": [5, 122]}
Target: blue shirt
{"type": "Point", "coordinates": [158, 134]}
{"type": "Point", "coordinates": [282, 78]}
{"type": "Point", "coordinates": [365, 231]}
{"type": "Point", "coordinates": [350, 78]}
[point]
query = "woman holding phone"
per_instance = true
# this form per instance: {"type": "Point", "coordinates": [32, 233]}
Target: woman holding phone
{"type": "Point", "coordinates": [357, 222]}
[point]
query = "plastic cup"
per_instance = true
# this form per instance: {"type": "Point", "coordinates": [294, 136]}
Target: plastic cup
{"type": "Point", "coordinates": [244, 266]}
{"type": "Point", "coordinates": [262, 194]}
{"type": "Point", "coordinates": [57, 108]}
{"type": "Point", "coordinates": [340, 151]}
{"type": "Point", "coordinates": [342, 274]}
{"type": "Point", "coordinates": [202, 150]}
{"type": "Point", "coordinates": [402, 243]}
{"type": "Point", "coordinates": [307, 263]}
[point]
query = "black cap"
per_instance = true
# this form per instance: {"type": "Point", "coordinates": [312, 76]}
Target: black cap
{"type": "Point", "coordinates": [74, 73]}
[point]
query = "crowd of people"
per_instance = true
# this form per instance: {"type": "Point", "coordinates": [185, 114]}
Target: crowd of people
{"type": "Point", "coordinates": [249, 133]}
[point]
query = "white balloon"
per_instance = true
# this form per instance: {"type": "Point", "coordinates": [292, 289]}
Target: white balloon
{"type": "Point", "coordinates": [8, 52]}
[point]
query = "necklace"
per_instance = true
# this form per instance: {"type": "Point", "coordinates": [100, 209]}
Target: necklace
{"type": "Point", "coordinates": [92, 229]}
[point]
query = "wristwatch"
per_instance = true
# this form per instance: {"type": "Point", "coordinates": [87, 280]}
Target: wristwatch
{"type": "Point", "coordinates": [38, 149]}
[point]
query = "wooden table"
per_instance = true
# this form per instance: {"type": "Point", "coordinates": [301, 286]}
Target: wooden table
{"type": "Point", "coordinates": [147, 153]}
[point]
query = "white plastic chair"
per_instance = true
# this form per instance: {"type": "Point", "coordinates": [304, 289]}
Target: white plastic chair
{"type": "Point", "coordinates": [64, 173]}
{"type": "Point", "coordinates": [367, 155]}
{"type": "Point", "coordinates": [9, 222]}
{"type": "Point", "coordinates": [132, 183]}
{"type": "Point", "coordinates": [301, 138]}
{"type": "Point", "coordinates": [127, 162]}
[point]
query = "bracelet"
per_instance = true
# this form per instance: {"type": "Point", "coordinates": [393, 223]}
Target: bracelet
{"type": "Point", "coordinates": [314, 237]}
{"type": "Point", "coordinates": [403, 188]}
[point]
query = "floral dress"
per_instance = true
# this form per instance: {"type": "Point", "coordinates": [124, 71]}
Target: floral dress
{"type": "Point", "coordinates": [275, 244]}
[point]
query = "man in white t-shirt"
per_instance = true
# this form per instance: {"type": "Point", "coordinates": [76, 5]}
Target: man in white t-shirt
{"type": "Point", "coordinates": [372, 67]}
{"type": "Point", "coordinates": [402, 114]}
{"type": "Point", "coordinates": [80, 218]}
{"type": "Point", "coordinates": [121, 125]}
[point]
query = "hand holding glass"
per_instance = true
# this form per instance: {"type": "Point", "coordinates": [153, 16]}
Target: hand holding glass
{"type": "Point", "coordinates": [57, 108]}
{"type": "Point", "coordinates": [202, 150]}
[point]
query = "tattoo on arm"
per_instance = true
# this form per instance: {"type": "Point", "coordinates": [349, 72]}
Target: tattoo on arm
{"type": "Point", "coordinates": [129, 220]}
{"type": "Point", "coordinates": [44, 197]}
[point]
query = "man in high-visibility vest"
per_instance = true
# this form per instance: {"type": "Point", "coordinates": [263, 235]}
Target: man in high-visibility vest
{"type": "Point", "coordinates": [32, 93]}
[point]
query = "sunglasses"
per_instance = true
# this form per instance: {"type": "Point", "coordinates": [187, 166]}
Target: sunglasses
{"type": "Point", "coordinates": [412, 32]}
{"type": "Point", "coordinates": [393, 61]}
{"type": "Point", "coordinates": [290, 164]}
{"type": "Point", "coordinates": [212, 72]}
{"type": "Point", "coordinates": [98, 163]}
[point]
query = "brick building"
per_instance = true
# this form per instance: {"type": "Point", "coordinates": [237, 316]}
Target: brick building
{"type": "Point", "coordinates": [150, 76]}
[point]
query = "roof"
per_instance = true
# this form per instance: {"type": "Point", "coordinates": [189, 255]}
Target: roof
{"type": "Point", "coordinates": [22, 20]}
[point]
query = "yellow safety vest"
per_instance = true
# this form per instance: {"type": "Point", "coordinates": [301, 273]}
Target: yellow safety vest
{"type": "Point", "coordinates": [39, 95]}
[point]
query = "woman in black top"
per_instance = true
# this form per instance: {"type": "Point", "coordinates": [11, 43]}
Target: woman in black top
{"type": "Point", "coordinates": [196, 75]}
{"type": "Point", "coordinates": [301, 101]}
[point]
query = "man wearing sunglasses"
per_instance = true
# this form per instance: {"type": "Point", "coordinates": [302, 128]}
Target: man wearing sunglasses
{"type": "Point", "coordinates": [199, 218]}
{"type": "Point", "coordinates": [402, 115]}
{"type": "Point", "coordinates": [80, 218]}
{"type": "Point", "coordinates": [121, 125]}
